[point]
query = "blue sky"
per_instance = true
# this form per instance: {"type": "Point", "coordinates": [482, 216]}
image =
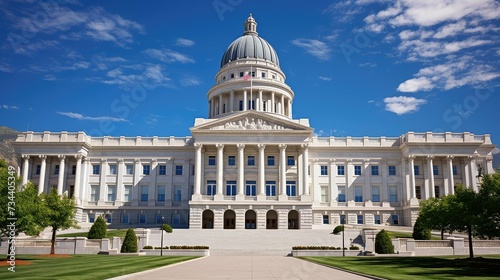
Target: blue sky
{"type": "Point", "coordinates": [358, 68]}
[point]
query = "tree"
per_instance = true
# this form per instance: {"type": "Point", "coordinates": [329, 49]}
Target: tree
{"type": "Point", "coordinates": [338, 229]}
{"type": "Point", "coordinates": [435, 213]}
{"type": "Point", "coordinates": [420, 231]}
{"type": "Point", "coordinates": [383, 244]}
{"type": "Point", "coordinates": [98, 229]}
{"type": "Point", "coordinates": [130, 243]}
{"type": "Point", "coordinates": [60, 214]}
{"type": "Point", "coordinates": [167, 228]}
{"type": "Point", "coordinates": [488, 225]}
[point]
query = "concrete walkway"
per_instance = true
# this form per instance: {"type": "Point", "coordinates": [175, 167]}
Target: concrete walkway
{"type": "Point", "coordinates": [240, 267]}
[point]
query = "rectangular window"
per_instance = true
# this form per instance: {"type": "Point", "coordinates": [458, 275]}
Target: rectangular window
{"type": "Point", "coordinates": [263, 75]}
{"type": "Point", "coordinates": [73, 170]}
{"type": "Point", "coordinates": [129, 169]}
{"type": "Point", "coordinates": [340, 170]}
{"type": "Point", "coordinates": [324, 194]}
{"type": "Point", "coordinates": [146, 169]}
{"type": "Point", "coordinates": [326, 219]}
{"type": "Point", "coordinates": [95, 169]}
{"type": "Point", "coordinates": [290, 160]}
{"type": "Point", "coordinates": [360, 219]}
{"type": "Point", "coordinates": [128, 193]}
{"type": "Point", "coordinates": [56, 170]}
{"type": "Point", "coordinates": [291, 188]}
{"type": "Point", "coordinates": [91, 217]}
{"type": "Point", "coordinates": [160, 193]}
{"type": "Point", "coordinates": [111, 193]}
{"type": "Point", "coordinates": [144, 193]}
{"type": "Point", "coordinates": [270, 188]}
{"type": "Point", "coordinates": [375, 193]}
{"type": "Point", "coordinates": [393, 194]}
{"type": "Point", "coordinates": [142, 218]}
{"type": "Point", "coordinates": [241, 105]}
{"type": "Point", "coordinates": [251, 105]}
{"type": "Point", "coordinates": [178, 170]}
{"type": "Point", "coordinates": [112, 169]}
{"type": "Point", "coordinates": [231, 188]}
{"type": "Point", "coordinates": [159, 219]}
{"type": "Point", "coordinates": [231, 160]}
{"type": "Point", "coordinates": [250, 188]}
{"type": "Point", "coordinates": [177, 219]}
{"type": "Point", "coordinates": [241, 74]}
{"type": "Point", "coordinates": [162, 170]}
{"type": "Point", "coordinates": [416, 170]}
{"type": "Point", "coordinates": [392, 170]}
{"type": "Point", "coordinates": [375, 170]}
{"type": "Point", "coordinates": [341, 197]}
{"type": "Point", "coordinates": [251, 160]}
{"type": "Point", "coordinates": [455, 171]}
{"type": "Point", "coordinates": [436, 191]}
{"type": "Point", "coordinates": [124, 218]}
{"type": "Point", "coordinates": [435, 170]}
{"type": "Point", "coordinates": [94, 193]}
{"type": "Point", "coordinates": [270, 160]}
{"type": "Point", "coordinates": [211, 187]}
{"type": "Point", "coordinates": [418, 192]}
{"type": "Point", "coordinates": [358, 194]}
{"type": "Point", "coordinates": [342, 219]}
{"type": "Point", "coordinates": [177, 193]}
{"type": "Point", "coordinates": [38, 168]}
{"type": "Point", "coordinates": [376, 219]}
{"type": "Point", "coordinates": [324, 170]}
{"type": "Point", "coordinates": [232, 75]}
{"type": "Point", "coordinates": [211, 160]}
{"type": "Point", "coordinates": [395, 219]}
{"type": "Point", "coordinates": [357, 170]}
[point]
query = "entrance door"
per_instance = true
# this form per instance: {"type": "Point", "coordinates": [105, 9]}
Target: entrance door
{"type": "Point", "coordinates": [250, 220]}
{"type": "Point", "coordinates": [293, 220]}
{"type": "Point", "coordinates": [271, 220]}
{"type": "Point", "coordinates": [208, 219]}
{"type": "Point", "coordinates": [229, 219]}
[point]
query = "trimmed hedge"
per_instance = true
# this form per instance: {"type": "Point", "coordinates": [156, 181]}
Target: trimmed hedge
{"type": "Point", "coordinates": [185, 247]}
{"type": "Point", "coordinates": [383, 244]}
{"type": "Point", "coordinates": [322, 248]}
{"type": "Point", "coordinates": [130, 243]}
{"type": "Point", "coordinates": [420, 232]}
{"type": "Point", "coordinates": [98, 229]}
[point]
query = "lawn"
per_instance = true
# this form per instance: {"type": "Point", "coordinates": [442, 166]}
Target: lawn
{"type": "Point", "coordinates": [400, 234]}
{"type": "Point", "coordinates": [109, 233]}
{"type": "Point", "coordinates": [79, 267]}
{"type": "Point", "coordinates": [418, 268]}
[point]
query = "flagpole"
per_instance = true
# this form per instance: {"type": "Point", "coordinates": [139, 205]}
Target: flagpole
{"type": "Point", "coordinates": [251, 83]}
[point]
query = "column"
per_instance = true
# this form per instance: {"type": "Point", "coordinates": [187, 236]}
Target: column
{"type": "Point", "coordinates": [152, 185]}
{"type": "Point", "coordinates": [259, 103]}
{"type": "Point", "coordinates": [120, 167]}
{"type": "Point", "coordinates": [220, 104]}
{"type": "Point", "coordinates": [241, 170]}
{"type": "Point", "coordinates": [231, 101]}
{"type": "Point", "coordinates": [473, 173]}
{"type": "Point", "coordinates": [272, 103]}
{"type": "Point", "coordinates": [305, 164]}
{"type": "Point", "coordinates": [412, 176]}
{"type": "Point", "coordinates": [78, 176]}
{"type": "Point", "coordinates": [42, 174]}
{"type": "Point", "coordinates": [197, 170]}
{"type": "Point", "coordinates": [86, 165]}
{"type": "Point", "coordinates": [136, 187]}
{"type": "Point", "coordinates": [26, 165]}
{"type": "Point", "coordinates": [245, 102]}
{"type": "Point", "coordinates": [102, 182]}
{"type": "Point", "coordinates": [451, 181]}
{"type": "Point", "coordinates": [60, 179]}
{"type": "Point", "coordinates": [282, 104]}
{"type": "Point", "coordinates": [220, 168]}
{"type": "Point", "coordinates": [261, 183]}
{"type": "Point", "coordinates": [384, 190]}
{"type": "Point", "coordinates": [290, 108]}
{"type": "Point", "coordinates": [430, 174]}
{"type": "Point", "coordinates": [210, 108]}
{"type": "Point", "coordinates": [367, 187]}
{"type": "Point", "coordinates": [282, 169]}
{"type": "Point", "coordinates": [334, 192]}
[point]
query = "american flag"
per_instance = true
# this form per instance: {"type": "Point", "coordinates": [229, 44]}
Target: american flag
{"type": "Point", "coordinates": [247, 76]}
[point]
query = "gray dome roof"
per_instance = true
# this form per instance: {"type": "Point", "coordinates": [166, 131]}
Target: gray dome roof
{"type": "Point", "coordinates": [250, 45]}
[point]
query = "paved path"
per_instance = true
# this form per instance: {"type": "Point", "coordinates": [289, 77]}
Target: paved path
{"type": "Point", "coordinates": [239, 267]}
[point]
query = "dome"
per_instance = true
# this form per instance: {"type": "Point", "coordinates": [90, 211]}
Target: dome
{"type": "Point", "coordinates": [250, 45]}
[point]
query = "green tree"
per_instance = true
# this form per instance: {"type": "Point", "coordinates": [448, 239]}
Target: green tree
{"type": "Point", "coordinates": [98, 229]}
{"type": "Point", "coordinates": [383, 244]}
{"type": "Point", "coordinates": [488, 225]}
{"type": "Point", "coordinates": [435, 213]}
{"type": "Point", "coordinates": [130, 242]}
{"type": "Point", "coordinates": [167, 228]}
{"type": "Point", "coordinates": [338, 229]}
{"type": "Point", "coordinates": [420, 231]}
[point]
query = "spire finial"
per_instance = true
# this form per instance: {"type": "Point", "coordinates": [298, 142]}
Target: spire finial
{"type": "Point", "coordinates": [250, 26]}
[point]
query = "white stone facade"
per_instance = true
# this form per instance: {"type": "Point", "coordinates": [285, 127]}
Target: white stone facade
{"type": "Point", "coordinates": [251, 165]}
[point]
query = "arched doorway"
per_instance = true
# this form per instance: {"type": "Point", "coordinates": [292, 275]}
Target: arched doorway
{"type": "Point", "coordinates": [271, 220]}
{"type": "Point", "coordinates": [208, 219]}
{"type": "Point", "coordinates": [293, 220]}
{"type": "Point", "coordinates": [250, 219]}
{"type": "Point", "coordinates": [229, 219]}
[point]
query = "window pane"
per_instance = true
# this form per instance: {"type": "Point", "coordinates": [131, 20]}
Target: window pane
{"type": "Point", "coordinates": [358, 194]}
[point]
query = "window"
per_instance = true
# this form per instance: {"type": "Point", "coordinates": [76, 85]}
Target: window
{"type": "Point", "coordinates": [211, 160]}
{"type": "Point", "coordinates": [232, 76]}
{"type": "Point", "coordinates": [324, 194]}
{"type": "Point", "coordinates": [241, 74]}
{"type": "Point", "coordinates": [251, 105]}
{"type": "Point", "coordinates": [124, 218]}
{"type": "Point", "coordinates": [56, 169]}
{"type": "Point", "coordinates": [358, 194]}
{"type": "Point", "coordinates": [291, 188]}
{"type": "Point", "coordinates": [95, 169]}
{"type": "Point", "coordinates": [109, 218]}
{"type": "Point", "coordinates": [416, 170]}
{"type": "Point", "coordinates": [144, 193]}
{"type": "Point", "coordinates": [324, 170]}
{"type": "Point", "coordinates": [340, 170]}
{"type": "Point", "coordinates": [231, 188]}
{"type": "Point", "coordinates": [290, 160]}
{"type": "Point", "coordinates": [357, 170]}
{"type": "Point", "coordinates": [160, 193]}
{"type": "Point", "coordinates": [211, 187]}
{"type": "Point", "coordinates": [162, 170]}
{"type": "Point", "coordinates": [177, 219]}
{"type": "Point", "coordinates": [94, 193]}
{"type": "Point", "coordinates": [241, 105]}
{"type": "Point", "coordinates": [395, 219]}
{"type": "Point", "coordinates": [376, 219]}
{"type": "Point", "coordinates": [178, 170]}
{"type": "Point", "coordinates": [326, 219]}
{"type": "Point", "coordinates": [436, 191]}
{"type": "Point", "coordinates": [263, 75]}
{"type": "Point", "coordinates": [73, 170]}
{"type": "Point", "coordinates": [250, 188]}
{"type": "Point", "coordinates": [38, 168]}
{"type": "Point", "coordinates": [341, 196]}
{"type": "Point", "coordinates": [392, 170]}
{"type": "Point", "coordinates": [128, 193]}
{"type": "Point", "coordinates": [418, 192]}
{"type": "Point", "coordinates": [159, 219]}
{"type": "Point", "coordinates": [270, 160]}
{"type": "Point", "coordinates": [375, 170]}
{"type": "Point", "coordinates": [177, 193]}
{"type": "Point", "coordinates": [231, 160]}
{"type": "Point", "coordinates": [253, 73]}
{"type": "Point", "coordinates": [91, 217]}
{"type": "Point", "coordinates": [435, 170]}
{"type": "Point", "coordinates": [129, 169]}
{"type": "Point", "coordinates": [142, 218]}
{"type": "Point", "coordinates": [342, 219]}
{"type": "Point", "coordinates": [251, 160]}
{"type": "Point", "coordinates": [393, 194]}
{"type": "Point", "coordinates": [375, 193]}
{"type": "Point", "coordinates": [455, 171]}
{"type": "Point", "coordinates": [146, 169]}
{"type": "Point", "coordinates": [270, 188]}
{"type": "Point", "coordinates": [111, 193]}
{"type": "Point", "coordinates": [360, 219]}
{"type": "Point", "coordinates": [274, 77]}
{"type": "Point", "coordinates": [112, 169]}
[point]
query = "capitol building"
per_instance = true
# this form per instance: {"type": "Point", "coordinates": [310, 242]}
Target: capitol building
{"type": "Point", "coordinates": [250, 164]}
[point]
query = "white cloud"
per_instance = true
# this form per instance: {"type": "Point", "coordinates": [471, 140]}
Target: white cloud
{"type": "Point", "coordinates": [7, 107]}
{"type": "Point", "coordinates": [450, 30]}
{"type": "Point", "coordinates": [150, 76]}
{"type": "Point", "coordinates": [314, 47]}
{"type": "Point", "coordinates": [368, 64]}
{"type": "Point", "coordinates": [5, 68]}
{"type": "Point", "coordinates": [79, 116]}
{"type": "Point", "coordinates": [190, 81]}
{"type": "Point", "coordinates": [325, 78]}
{"type": "Point", "coordinates": [184, 42]}
{"type": "Point", "coordinates": [169, 56]}
{"type": "Point", "coordinates": [403, 104]}
{"type": "Point", "coordinates": [50, 78]}
{"type": "Point", "coordinates": [416, 84]}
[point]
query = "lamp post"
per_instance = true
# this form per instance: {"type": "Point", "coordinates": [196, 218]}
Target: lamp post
{"type": "Point", "coordinates": [161, 228]}
{"type": "Point", "coordinates": [343, 246]}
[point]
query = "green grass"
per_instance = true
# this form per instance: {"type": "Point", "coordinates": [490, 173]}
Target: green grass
{"type": "Point", "coordinates": [418, 268]}
{"type": "Point", "coordinates": [400, 234]}
{"type": "Point", "coordinates": [109, 233]}
{"type": "Point", "coordinates": [80, 267]}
